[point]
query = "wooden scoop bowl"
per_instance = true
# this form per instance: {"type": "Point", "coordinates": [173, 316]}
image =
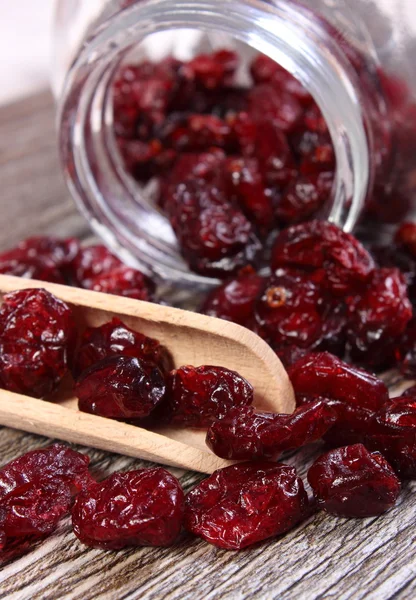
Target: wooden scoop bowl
{"type": "Point", "coordinates": [191, 338]}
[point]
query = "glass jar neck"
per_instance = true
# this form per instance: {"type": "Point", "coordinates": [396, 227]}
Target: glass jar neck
{"type": "Point", "coordinates": [291, 35]}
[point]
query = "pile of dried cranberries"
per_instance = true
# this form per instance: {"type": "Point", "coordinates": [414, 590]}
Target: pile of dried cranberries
{"type": "Point", "coordinates": [234, 165]}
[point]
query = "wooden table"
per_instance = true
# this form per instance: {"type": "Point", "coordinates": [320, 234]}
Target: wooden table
{"type": "Point", "coordinates": [325, 557]}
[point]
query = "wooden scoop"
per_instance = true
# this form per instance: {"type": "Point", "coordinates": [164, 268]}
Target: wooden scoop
{"type": "Point", "coordinates": [191, 338]}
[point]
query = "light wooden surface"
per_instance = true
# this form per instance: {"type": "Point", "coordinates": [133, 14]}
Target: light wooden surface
{"type": "Point", "coordinates": [325, 558]}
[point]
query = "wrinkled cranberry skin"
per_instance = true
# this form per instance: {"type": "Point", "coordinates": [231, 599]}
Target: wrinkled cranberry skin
{"type": "Point", "coordinates": [405, 350]}
{"type": "Point", "coordinates": [350, 426]}
{"type": "Point", "coordinates": [90, 263]}
{"type": "Point", "coordinates": [36, 490]}
{"type": "Point", "coordinates": [322, 374]}
{"type": "Point", "coordinates": [379, 317]}
{"type": "Point", "coordinates": [137, 508]}
{"type": "Point", "coordinates": [124, 281]}
{"type": "Point", "coordinates": [246, 503]}
{"type": "Point", "coordinates": [217, 241]}
{"type": "Point", "coordinates": [37, 341]}
{"type": "Point", "coordinates": [120, 387]}
{"type": "Point", "coordinates": [244, 435]}
{"type": "Point", "coordinates": [283, 109]}
{"type": "Point", "coordinates": [304, 197]}
{"type": "Point", "coordinates": [392, 431]}
{"type": "Point", "coordinates": [234, 300]}
{"type": "Point", "coordinates": [195, 396]}
{"type": "Point", "coordinates": [116, 338]}
{"type": "Point", "coordinates": [43, 258]}
{"type": "Point", "coordinates": [332, 257]}
{"type": "Point", "coordinates": [275, 158]}
{"type": "Point", "coordinates": [288, 311]}
{"type": "Point", "coordinates": [352, 482]}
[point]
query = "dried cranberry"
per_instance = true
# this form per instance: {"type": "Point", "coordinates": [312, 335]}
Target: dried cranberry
{"type": "Point", "coordinates": [246, 503]}
{"type": "Point", "coordinates": [392, 431]}
{"type": "Point", "coordinates": [36, 490]}
{"type": "Point", "coordinates": [244, 435]}
{"type": "Point", "coordinates": [234, 299]}
{"type": "Point", "coordinates": [195, 396]}
{"type": "Point", "coordinates": [277, 106]}
{"type": "Point", "coordinates": [406, 237]}
{"type": "Point", "coordinates": [209, 72]}
{"type": "Point", "coordinates": [202, 132]}
{"type": "Point", "coordinates": [245, 186]}
{"type": "Point", "coordinates": [265, 70]}
{"type": "Point", "coordinates": [325, 375]}
{"type": "Point", "coordinates": [37, 341]}
{"type": "Point", "coordinates": [124, 281]}
{"type": "Point", "coordinates": [120, 387]}
{"type": "Point", "coordinates": [137, 508]}
{"type": "Point", "coordinates": [379, 317]}
{"type": "Point", "coordinates": [17, 263]}
{"type": "Point", "coordinates": [243, 133]}
{"type": "Point", "coordinates": [91, 262]}
{"type": "Point", "coordinates": [115, 338]}
{"type": "Point", "coordinates": [274, 155]}
{"type": "Point", "coordinates": [351, 424]}
{"type": "Point", "coordinates": [333, 257]}
{"type": "Point", "coordinates": [353, 482]}
{"type": "Point", "coordinates": [304, 197]}
{"type": "Point", "coordinates": [288, 312]}
{"type": "Point", "coordinates": [405, 350]}
{"type": "Point", "coordinates": [217, 241]}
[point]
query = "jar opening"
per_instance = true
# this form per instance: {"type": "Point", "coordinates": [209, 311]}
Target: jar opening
{"type": "Point", "coordinates": [125, 215]}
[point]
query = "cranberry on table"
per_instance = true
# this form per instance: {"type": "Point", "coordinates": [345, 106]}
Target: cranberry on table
{"type": "Point", "coordinates": [234, 299]}
{"type": "Point", "coordinates": [37, 342]}
{"type": "Point", "coordinates": [196, 396]}
{"type": "Point", "coordinates": [137, 508]}
{"type": "Point", "coordinates": [36, 490]}
{"type": "Point", "coordinates": [329, 255]}
{"type": "Point", "coordinates": [115, 338]}
{"type": "Point", "coordinates": [322, 374]}
{"type": "Point", "coordinates": [353, 482]}
{"type": "Point", "coordinates": [392, 431]}
{"type": "Point", "coordinates": [246, 503]}
{"type": "Point", "coordinates": [120, 387]}
{"type": "Point", "coordinates": [124, 281]}
{"type": "Point", "coordinates": [61, 251]}
{"type": "Point", "coordinates": [245, 435]}
{"type": "Point", "coordinates": [379, 317]}
{"type": "Point", "coordinates": [288, 312]}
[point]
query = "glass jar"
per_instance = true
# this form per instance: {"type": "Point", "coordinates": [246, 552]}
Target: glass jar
{"type": "Point", "coordinates": [354, 57]}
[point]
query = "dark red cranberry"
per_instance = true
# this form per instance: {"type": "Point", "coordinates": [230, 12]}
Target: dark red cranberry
{"type": "Point", "coordinates": [91, 262]}
{"type": "Point", "coordinates": [325, 375]}
{"type": "Point", "coordinates": [245, 435]}
{"type": "Point", "coordinates": [209, 72]}
{"type": "Point", "coordinates": [137, 508]}
{"type": "Point", "coordinates": [17, 263]}
{"type": "Point", "coordinates": [243, 133]}
{"type": "Point", "coordinates": [379, 317]}
{"type": "Point", "coordinates": [195, 396]}
{"type": "Point", "coordinates": [406, 237]}
{"type": "Point", "coordinates": [246, 503]}
{"type": "Point", "coordinates": [350, 426]}
{"type": "Point", "coordinates": [288, 312]}
{"type": "Point", "coordinates": [120, 387]}
{"type": "Point", "coordinates": [245, 185]}
{"type": "Point", "coordinates": [145, 160]}
{"type": "Point", "coordinates": [304, 197]}
{"type": "Point", "coordinates": [203, 132]}
{"type": "Point", "coordinates": [263, 69]}
{"type": "Point", "coordinates": [353, 482]}
{"type": "Point", "coordinates": [274, 155]}
{"type": "Point", "coordinates": [37, 342]}
{"type": "Point", "coordinates": [234, 299]}
{"type": "Point", "coordinates": [36, 490]}
{"type": "Point", "coordinates": [124, 281]}
{"type": "Point", "coordinates": [334, 258]}
{"type": "Point", "coordinates": [269, 104]}
{"type": "Point", "coordinates": [217, 241]}
{"type": "Point", "coordinates": [392, 431]}
{"type": "Point", "coordinates": [61, 251]}
{"type": "Point", "coordinates": [115, 338]}
{"type": "Point", "coordinates": [405, 350]}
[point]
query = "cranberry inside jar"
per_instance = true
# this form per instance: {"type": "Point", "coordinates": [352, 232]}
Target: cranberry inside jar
{"type": "Point", "coordinates": [189, 148]}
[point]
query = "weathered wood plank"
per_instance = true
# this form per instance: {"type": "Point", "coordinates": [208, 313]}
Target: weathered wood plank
{"type": "Point", "coordinates": [325, 558]}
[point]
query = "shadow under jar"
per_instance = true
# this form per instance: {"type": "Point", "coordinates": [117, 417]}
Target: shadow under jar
{"type": "Point", "coordinates": [352, 58]}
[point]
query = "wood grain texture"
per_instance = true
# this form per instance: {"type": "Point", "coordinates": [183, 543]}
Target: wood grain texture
{"type": "Point", "coordinates": [325, 558]}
